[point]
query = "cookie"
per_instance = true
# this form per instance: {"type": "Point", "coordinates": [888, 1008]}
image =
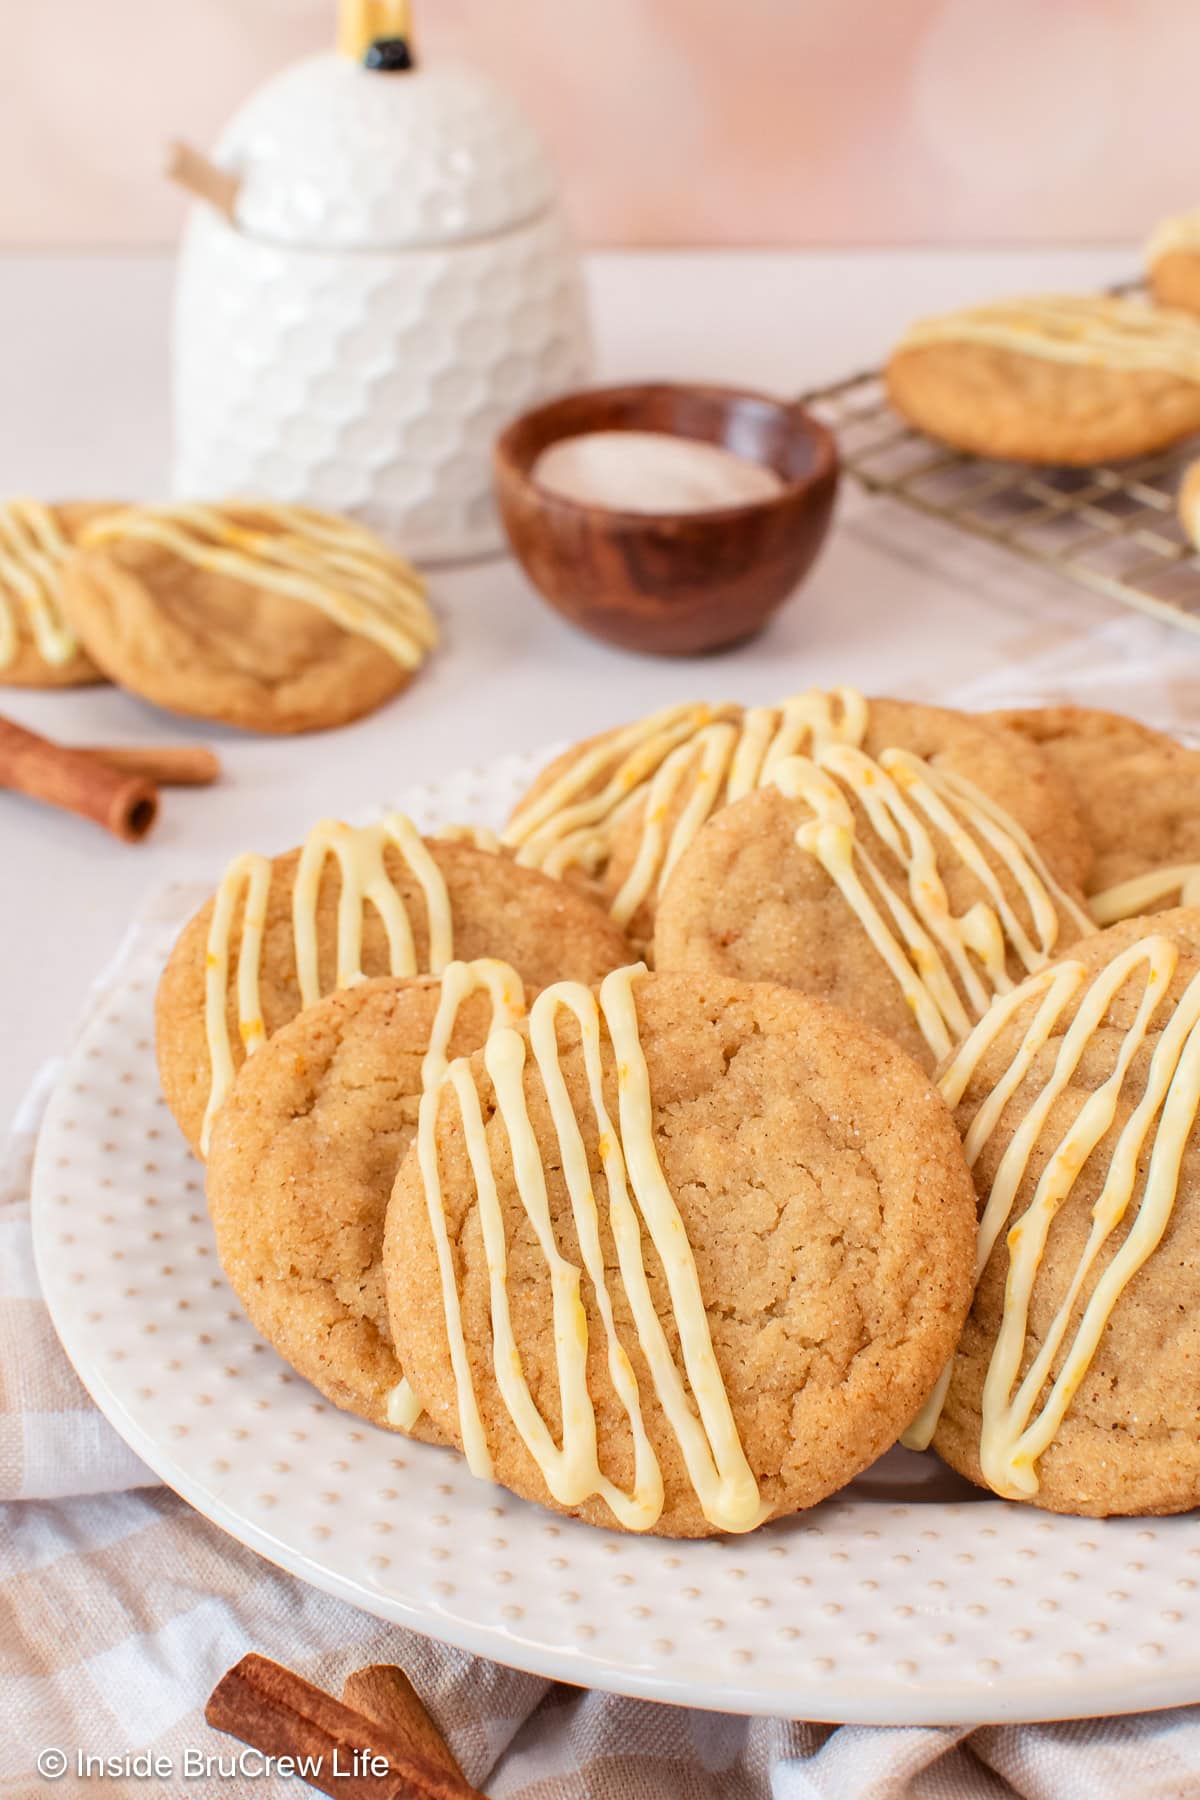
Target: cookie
{"type": "Point", "coordinates": [273, 618]}
{"type": "Point", "coordinates": [38, 647]}
{"type": "Point", "coordinates": [1189, 503]}
{"type": "Point", "coordinates": [302, 1162]}
{"type": "Point", "coordinates": [1137, 792]}
{"type": "Point", "coordinates": [1173, 262]}
{"type": "Point", "coordinates": [376, 900]}
{"type": "Point", "coordinates": [640, 775]}
{"type": "Point", "coordinates": [1051, 379]}
{"type": "Point", "coordinates": [907, 880]}
{"type": "Point", "coordinates": [1074, 1384]}
{"type": "Point", "coordinates": [688, 1255]}
{"type": "Point", "coordinates": [1175, 280]}
{"type": "Point", "coordinates": [616, 813]}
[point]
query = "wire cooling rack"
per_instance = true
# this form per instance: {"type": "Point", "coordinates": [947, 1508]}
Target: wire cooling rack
{"type": "Point", "coordinates": [1114, 529]}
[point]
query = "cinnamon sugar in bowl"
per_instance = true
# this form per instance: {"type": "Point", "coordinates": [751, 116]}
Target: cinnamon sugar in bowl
{"type": "Point", "coordinates": [690, 578]}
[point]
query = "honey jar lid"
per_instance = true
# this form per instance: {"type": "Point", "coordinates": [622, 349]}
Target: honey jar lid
{"type": "Point", "coordinates": [338, 153]}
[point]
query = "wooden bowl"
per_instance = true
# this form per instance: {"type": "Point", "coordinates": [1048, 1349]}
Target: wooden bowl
{"type": "Point", "coordinates": [674, 584]}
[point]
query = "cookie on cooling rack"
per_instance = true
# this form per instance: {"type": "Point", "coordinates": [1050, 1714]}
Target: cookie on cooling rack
{"type": "Point", "coordinates": [38, 646]}
{"type": "Point", "coordinates": [1075, 379]}
{"type": "Point", "coordinates": [1173, 262]}
{"type": "Point", "coordinates": [273, 618]}
{"type": "Point", "coordinates": [303, 1157]}
{"type": "Point", "coordinates": [616, 813]}
{"type": "Point", "coordinates": [352, 902]}
{"type": "Point", "coordinates": [679, 1255]}
{"type": "Point", "coordinates": [907, 879]}
{"type": "Point", "coordinates": [1138, 794]}
{"type": "Point", "coordinates": [1074, 1383]}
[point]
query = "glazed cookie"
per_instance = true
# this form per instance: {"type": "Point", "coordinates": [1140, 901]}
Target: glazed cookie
{"type": "Point", "coordinates": [1051, 379]}
{"type": "Point", "coordinates": [678, 1256]}
{"type": "Point", "coordinates": [38, 648]}
{"type": "Point", "coordinates": [1138, 794]}
{"type": "Point", "coordinates": [908, 880]}
{"type": "Point", "coordinates": [1074, 1384]}
{"type": "Point", "coordinates": [376, 900]}
{"type": "Point", "coordinates": [303, 1158]}
{"type": "Point", "coordinates": [616, 813]}
{"type": "Point", "coordinates": [1173, 262]}
{"type": "Point", "coordinates": [274, 618]}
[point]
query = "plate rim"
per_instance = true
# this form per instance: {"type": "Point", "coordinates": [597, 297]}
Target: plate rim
{"type": "Point", "coordinates": [892, 1703]}
{"type": "Point", "coordinates": [889, 1700]}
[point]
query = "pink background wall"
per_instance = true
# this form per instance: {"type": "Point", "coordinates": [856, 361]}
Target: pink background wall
{"type": "Point", "coordinates": [675, 121]}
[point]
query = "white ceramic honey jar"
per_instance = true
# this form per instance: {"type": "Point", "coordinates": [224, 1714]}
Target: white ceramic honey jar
{"type": "Point", "coordinates": [394, 281]}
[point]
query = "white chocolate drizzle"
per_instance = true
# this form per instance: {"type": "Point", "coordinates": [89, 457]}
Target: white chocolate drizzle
{"type": "Point", "coordinates": [33, 549]}
{"type": "Point", "coordinates": [694, 1401]}
{"type": "Point", "coordinates": [330, 563]}
{"type": "Point", "coordinates": [361, 856]}
{"type": "Point", "coordinates": [1091, 330]}
{"type": "Point", "coordinates": [705, 756]}
{"type": "Point", "coordinates": [1178, 883]}
{"type": "Point", "coordinates": [500, 981]}
{"type": "Point", "coordinates": [1018, 1426]}
{"type": "Point", "coordinates": [948, 967]}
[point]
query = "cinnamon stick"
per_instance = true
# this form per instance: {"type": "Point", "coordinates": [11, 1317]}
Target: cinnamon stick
{"type": "Point", "coordinates": [338, 1751]}
{"type": "Point", "coordinates": [125, 804]}
{"type": "Point", "coordinates": [384, 1693]}
{"type": "Point", "coordinates": [170, 765]}
{"type": "Point", "coordinates": [202, 178]}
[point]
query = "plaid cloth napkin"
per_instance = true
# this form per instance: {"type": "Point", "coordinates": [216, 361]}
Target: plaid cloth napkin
{"type": "Point", "coordinates": [120, 1608]}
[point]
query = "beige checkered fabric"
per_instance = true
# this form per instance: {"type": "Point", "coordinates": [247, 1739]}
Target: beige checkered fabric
{"type": "Point", "coordinates": [120, 1608]}
{"type": "Point", "coordinates": [118, 1613]}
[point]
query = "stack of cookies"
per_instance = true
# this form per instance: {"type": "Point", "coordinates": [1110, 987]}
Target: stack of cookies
{"type": "Point", "coordinates": [273, 618]}
{"type": "Point", "coordinates": [768, 1091]}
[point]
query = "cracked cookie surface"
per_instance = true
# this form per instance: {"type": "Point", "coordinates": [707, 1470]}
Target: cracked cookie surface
{"type": "Point", "coordinates": [1128, 1442]}
{"type": "Point", "coordinates": [748, 902]}
{"type": "Point", "coordinates": [300, 1171]}
{"type": "Point", "coordinates": [823, 1192]}
{"type": "Point", "coordinates": [641, 840]}
{"type": "Point", "coordinates": [1136, 789]}
{"type": "Point", "coordinates": [545, 929]}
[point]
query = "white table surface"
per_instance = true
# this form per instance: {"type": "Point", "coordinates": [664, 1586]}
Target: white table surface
{"type": "Point", "coordinates": [895, 604]}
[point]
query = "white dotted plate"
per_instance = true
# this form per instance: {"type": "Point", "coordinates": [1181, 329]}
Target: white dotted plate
{"type": "Point", "coordinates": [903, 1601]}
